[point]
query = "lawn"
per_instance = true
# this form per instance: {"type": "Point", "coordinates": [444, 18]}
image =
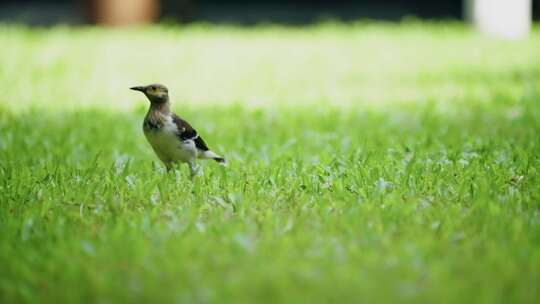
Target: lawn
{"type": "Point", "coordinates": [368, 163]}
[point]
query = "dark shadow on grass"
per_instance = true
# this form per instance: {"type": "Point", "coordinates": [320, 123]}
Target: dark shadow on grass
{"type": "Point", "coordinates": [300, 12]}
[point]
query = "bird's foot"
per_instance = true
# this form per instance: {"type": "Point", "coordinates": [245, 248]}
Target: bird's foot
{"type": "Point", "coordinates": [195, 170]}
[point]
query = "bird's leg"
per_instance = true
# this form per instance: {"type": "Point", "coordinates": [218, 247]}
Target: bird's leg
{"type": "Point", "coordinates": [194, 169]}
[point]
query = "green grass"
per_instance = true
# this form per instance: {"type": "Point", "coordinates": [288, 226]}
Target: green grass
{"type": "Point", "coordinates": [369, 163]}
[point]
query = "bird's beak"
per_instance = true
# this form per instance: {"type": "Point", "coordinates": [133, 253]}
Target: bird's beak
{"type": "Point", "coordinates": [139, 88]}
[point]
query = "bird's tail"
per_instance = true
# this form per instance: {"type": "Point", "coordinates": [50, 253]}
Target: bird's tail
{"type": "Point", "coordinates": [212, 155]}
{"type": "Point", "coordinates": [220, 160]}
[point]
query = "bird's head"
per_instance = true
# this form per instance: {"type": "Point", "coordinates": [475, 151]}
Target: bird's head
{"type": "Point", "coordinates": [156, 93]}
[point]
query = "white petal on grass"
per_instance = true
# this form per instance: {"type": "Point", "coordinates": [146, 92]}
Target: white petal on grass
{"type": "Point", "coordinates": [247, 242]}
{"type": "Point", "coordinates": [382, 184]}
{"type": "Point", "coordinates": [26, 229]}
{"type": "Point", "coordinates": [469, 155]}
{"type": "Point", "coordinates": [289, 143]}
{"type": "Point", "coordinates": [201, 227]}
{"type": "Point", "coordinates": [514, 113]}
{"type": "Point", "coordinates": [289, 225]}
{"type": "Point", "coordinates": [88, 248]}
{"type": "Point", "coordinates": [458, 236]}
{"type": "Point", "coordinates": [120, 161]}
{"type": "Point", "coordinates": [155, 197]}
{"type": "Point", "coordinates": [501, 157]}
{"type": "Point", "coordinates": [130, 180]}
{"type": "Point", "coordinates": [39, 194]}
{"type": "Point", "coordinates": [512, 191]}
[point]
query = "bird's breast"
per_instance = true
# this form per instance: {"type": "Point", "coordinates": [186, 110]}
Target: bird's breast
{"type": "Point", "coordinates": [151, 126]}
{"type": "Point", "coordinates": [165, 142]}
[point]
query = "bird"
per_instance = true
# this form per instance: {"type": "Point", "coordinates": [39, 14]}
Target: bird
{"type": "Point", "coordinates": [172, 138]}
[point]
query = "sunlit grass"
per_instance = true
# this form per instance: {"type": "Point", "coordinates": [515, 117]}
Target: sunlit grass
{"type": "Point", "coordinates": [368, 163]}
{"type": "Point", "coordinates": [355, 65]}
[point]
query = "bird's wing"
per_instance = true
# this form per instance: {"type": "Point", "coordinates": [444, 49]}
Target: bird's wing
{"type": "Point", "coordinates": [186, 132]}
{"type": "Point", "coordinates": [200, 144]}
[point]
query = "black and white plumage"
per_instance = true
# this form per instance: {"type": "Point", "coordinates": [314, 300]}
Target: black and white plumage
{"type": "Point", "coordinates": [173, 139]}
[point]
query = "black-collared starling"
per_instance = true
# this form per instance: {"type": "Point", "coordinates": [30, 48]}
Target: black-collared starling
{"type": "Point", "coordinates": [172, 138]}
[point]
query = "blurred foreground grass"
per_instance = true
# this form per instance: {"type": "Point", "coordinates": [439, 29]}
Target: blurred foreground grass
{"type": "Point", "coordinates": [368, 163]}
